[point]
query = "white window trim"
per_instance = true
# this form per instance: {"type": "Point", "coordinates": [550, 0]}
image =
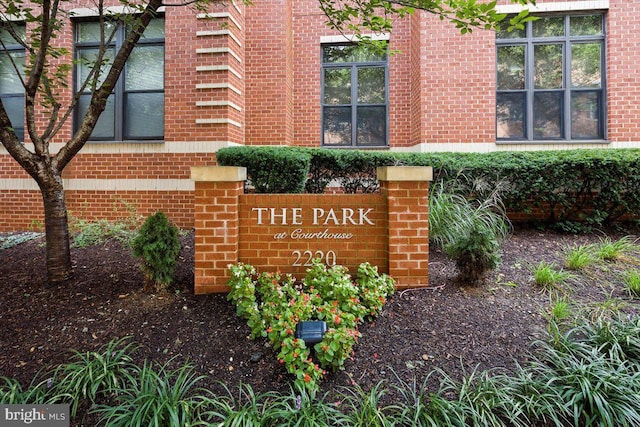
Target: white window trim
{"type": "Point", "coordinates": [350, 38]}
{"type": "Point", "coordinates": [85, 12]}
{"type": "Point", "coordinates": [566, 6]}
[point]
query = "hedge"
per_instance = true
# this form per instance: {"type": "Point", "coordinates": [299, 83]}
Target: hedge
{"type": "Point", "coordinates": [592, 187]}
{"type": "Point", "coordinates": [270, 169]}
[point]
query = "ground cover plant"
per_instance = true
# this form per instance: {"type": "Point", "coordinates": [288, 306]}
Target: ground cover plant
{"type": "Point", "coordinates": [580, 257]}
{"type": "Point", "coordinates": [588, 375]}
{"type": "Point", "coordinates": [274, 304]}
{"type": "Point", "coordinates": [437, 356]}
{"type": "Point", "coordinates": [550, 277]}
{"type": "Point", "coordinates": [632, 282]}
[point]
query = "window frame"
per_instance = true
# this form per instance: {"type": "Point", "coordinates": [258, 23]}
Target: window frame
{"type": "Point", "coordinates": [9, 49]}
{"type": "Point", "coordinates": [567, 41]}
{"type": "Point", "coordinates": [119, 93]}
{"type": "Point", "coordinates": [354, 104]}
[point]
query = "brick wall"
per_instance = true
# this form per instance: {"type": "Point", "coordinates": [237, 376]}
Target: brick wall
{"type": "Point", "coordinates": [204, 110]}
{"type": "Point", "coordinates": [251, 74]}
{"type": "Point", "coordinates": [93, 205]}
{"type": "Point", "coordinates": [98, 184]}
{"type": "Point", "coordinates": [21, 210]}
{"type": "Point", "coordinates": [205, 73]}
{"type": "Point", "coordinates": [623, 79]}
{"type": "Point", "coordinates": [282, 231]}
{"type": "Point", "coordinates": [458, 84]}
{"type": "Point", "coordinates": [417, 83]}
{"type": "Point", "coordinates": [408, 224]}
{"type": "Point", "coordinates": [269, 87]}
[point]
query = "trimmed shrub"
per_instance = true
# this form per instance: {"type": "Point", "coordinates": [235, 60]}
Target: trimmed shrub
{"type": "Point", "coordinates": [585, 187]}
{"type": "Point", "coordinates": [353, 170]}
{"type": "Point", "coordinates": [157, 244]}
{"type": "Point", "coordinates": [325, 167]}
{"type": "Point", "coordinates": [572, 189]}
{"type": "Point", "coordinates": [270, 169]}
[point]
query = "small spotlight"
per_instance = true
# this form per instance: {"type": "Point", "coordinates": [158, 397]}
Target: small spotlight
{"type": "Point", "coordinates": [311, 331]}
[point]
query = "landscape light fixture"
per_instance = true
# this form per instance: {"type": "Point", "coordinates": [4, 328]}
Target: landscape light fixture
{"type": "Point", "coordinates": [311, 331]}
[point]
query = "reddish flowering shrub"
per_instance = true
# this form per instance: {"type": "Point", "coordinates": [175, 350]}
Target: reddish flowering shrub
{"type": "Point", "coordinates": [273, 304]}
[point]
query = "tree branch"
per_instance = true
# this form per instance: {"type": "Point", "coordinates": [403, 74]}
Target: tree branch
{"type": "Point", "coordinates": [15, 147]}
{"type": "Point", "coordinates": [39, 60]}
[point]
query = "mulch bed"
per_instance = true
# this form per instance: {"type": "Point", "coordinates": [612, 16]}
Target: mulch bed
{"type": "Point", "coordinates": [448, 326]}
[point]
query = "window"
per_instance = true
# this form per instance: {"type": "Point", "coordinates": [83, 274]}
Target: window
{"type": "Point", "coordinates": [550, 80]}
{"type": "Point", "coordinates": [135, 109]}
{"type": "Point", "coordinates": [11, 88]}
{"type": "Point", "coordinates": [354, 96]}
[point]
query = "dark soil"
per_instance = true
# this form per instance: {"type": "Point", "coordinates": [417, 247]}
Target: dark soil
{"type": "Point", "coordinates": [448, 326]}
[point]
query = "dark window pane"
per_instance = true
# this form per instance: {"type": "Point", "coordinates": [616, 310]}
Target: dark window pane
{"type": "Point", "coordinates": [371, 86]}
{"type": "Point", "coordinates": [145, 115]}
{"type": "Point", "coordinates": [155, 29]}
{"type": "Point", "coordinates": [548, 27]}
{"type": "Point", "coordinates": [372, 126]}
{"type": "Point", "coordinates": [547, 115]}
{"type": "Point", "coordinates": [105, 128]}
{"type": "Point", "coordinates": [9, 79]}
{"type": "Point", "coordinates": [354, 95]}
{"type": "Point", "coordinates": [145, 68]}
{"type": "Point", "coordinates": [510, 114]}
{"type": "Point", "coordinates": [585, 65]}
{"type": "Point", "coordinates": [585, 115]}
{"type": "Point", "coordinates": [351, 53]}
{"type": "Point", "coordinates": [511, 67]}
{"type": "Point", "coordinates": [87, 59]}
{"type": "Point", "coordinates": [337, 126]}
{"type": "Point", "coordinates": [135, 109]}
{"type": "Point", "coordinates": [585, 25]}
{"type": "Point", "coordinates": [547, 64]}
{"type": "Point", "coordinates": [337, 86]}
{"type": "Point", "coordinates": [366, 53]}
{"type": "Point", "coordinates": [89, 32]}
{"type": "Point", "coordinates": [337, 53]}
{"type": "Point", "coordinates": [14, 106]}
{"type": "Point", "coordinates": [564, 61]}
{"type": "Point", "coordinates": [503, 32]}
{"type": "Point", "coordinates": [8, 39]}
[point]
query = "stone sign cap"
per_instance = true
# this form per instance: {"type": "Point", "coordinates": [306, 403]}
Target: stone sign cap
{"type": "Point", "coordinates": [405, 173]}
{"type": "Point", "coordinates": [218, 173]}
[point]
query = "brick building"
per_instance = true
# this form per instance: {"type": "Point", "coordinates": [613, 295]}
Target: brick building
{"type": "Point", "coordinates": [274, 74]}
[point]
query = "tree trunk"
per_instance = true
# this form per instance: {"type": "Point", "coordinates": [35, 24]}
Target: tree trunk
{"type": "Point", "coordinates": [59, 269]}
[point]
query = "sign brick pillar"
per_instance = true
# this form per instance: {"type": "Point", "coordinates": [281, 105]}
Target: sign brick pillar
{"type": "Point", "coordinates": [216, 224]}
{"type": "Point", "coordinates": [407, 192]}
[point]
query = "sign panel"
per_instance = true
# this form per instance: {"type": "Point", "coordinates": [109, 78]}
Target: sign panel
{"type": "Point", "coordinates": [286, 231]}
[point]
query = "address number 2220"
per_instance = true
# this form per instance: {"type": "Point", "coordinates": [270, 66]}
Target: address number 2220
{"type": "Point", "coordinates": [304, 258]}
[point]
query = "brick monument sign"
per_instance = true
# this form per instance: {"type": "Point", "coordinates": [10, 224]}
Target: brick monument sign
{"type": "Point", "coordinates": [284, 232]}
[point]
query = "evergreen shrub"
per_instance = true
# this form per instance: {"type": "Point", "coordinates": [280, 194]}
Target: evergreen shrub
{"type": "Point", "coordinates": [572, 189]}
{"type": "Point", "coordinates": [270, 169]}
{"type": "Point", "coordinates": [158, 245]}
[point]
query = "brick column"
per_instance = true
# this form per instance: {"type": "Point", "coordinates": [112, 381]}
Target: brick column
{"type": "Point", "coordinates": [216, 224]}
{"type": "Point", "coordinates": [407, 192]}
